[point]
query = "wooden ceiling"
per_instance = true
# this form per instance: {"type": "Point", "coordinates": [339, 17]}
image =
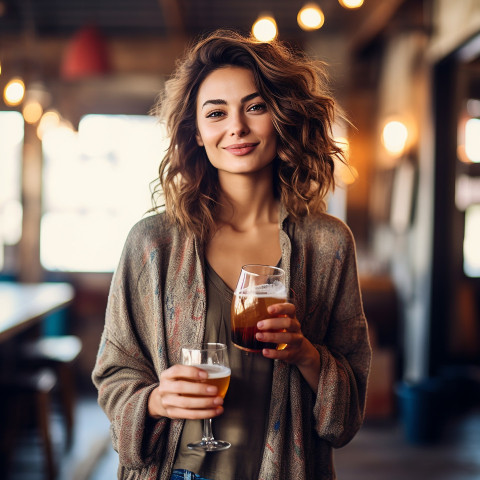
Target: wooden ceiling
{"type": "Point", "coordinates": [184, 17]}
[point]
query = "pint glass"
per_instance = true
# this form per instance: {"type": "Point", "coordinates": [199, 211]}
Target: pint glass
{"type": "Point", "coordinates": [258, 287]}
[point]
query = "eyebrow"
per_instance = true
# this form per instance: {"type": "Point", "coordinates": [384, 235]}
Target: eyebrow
{"type": "Point", "coordinates": [219, 101]}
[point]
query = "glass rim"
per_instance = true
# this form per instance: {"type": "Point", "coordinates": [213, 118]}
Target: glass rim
{"type": "Point", "coordinates": [276, 271]}
{"type": "Point", "coordinates": [204, 346]}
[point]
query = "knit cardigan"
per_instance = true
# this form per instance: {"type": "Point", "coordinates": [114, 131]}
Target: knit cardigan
{"type": "Point", "coordinates": [157, 303]}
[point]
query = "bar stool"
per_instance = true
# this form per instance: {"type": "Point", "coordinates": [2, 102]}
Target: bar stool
{"type": "Point", "coordinates": [57, 353]}
{"type": "Point", "coordinates": [20, 391]}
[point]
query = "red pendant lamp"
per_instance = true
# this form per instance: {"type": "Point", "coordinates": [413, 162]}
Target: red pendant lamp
{"type": "Point", "coordinates": [86, 55]}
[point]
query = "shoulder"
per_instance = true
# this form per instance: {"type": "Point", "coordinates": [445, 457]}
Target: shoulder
{"type": "Point", "coordinates": [154, 229]}
{"type": "Point", "coordinates": [149, 240]}
{"type": "Point", "coordinates": [325, 228]}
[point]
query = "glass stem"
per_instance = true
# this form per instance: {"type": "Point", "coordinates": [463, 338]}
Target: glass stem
{"type": "Point", "coordinates": [207, 430]}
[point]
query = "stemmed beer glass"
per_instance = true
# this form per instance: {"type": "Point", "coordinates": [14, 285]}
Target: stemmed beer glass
{"type": "Point", "coordinates": [258, 287]}
{"type": "Point", "coordinates": [213, 358]}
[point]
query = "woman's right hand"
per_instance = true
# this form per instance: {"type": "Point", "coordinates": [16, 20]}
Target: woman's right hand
{"type": "Point", "coordinates": [183, 394]}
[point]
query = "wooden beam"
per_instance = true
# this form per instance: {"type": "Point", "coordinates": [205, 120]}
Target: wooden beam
{"type": "Point", "coordinates": [173, 16]}
{"type": "Point", "coordinates": [374, 23]}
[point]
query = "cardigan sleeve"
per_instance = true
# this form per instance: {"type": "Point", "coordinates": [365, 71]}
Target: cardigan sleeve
{"type": "Point", "coordinates": [345, 356]}
{"type": "Point", "coordinates": [124, 373]}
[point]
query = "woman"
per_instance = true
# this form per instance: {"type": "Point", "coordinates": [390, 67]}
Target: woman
{"type": "Point", "coordinates": [250, 161]}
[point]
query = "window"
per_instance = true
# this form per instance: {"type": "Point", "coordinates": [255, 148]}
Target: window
{"type": "Point", "coordinates": [11, 144]}
{"type": "Point", "coordinates": [96, 186]}
{"type": "Point", "coordinates": [471, 241]}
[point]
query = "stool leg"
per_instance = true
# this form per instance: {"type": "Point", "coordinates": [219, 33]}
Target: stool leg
{"type": "Point", "coordinates": [43, 413]}
{"type": "Point", "coordinates": [67, 387]}
{"type": "Point", "coordinates": [9, 432]}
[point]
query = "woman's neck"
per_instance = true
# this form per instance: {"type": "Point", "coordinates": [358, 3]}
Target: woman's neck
{"type": "Point", "coordinates": [247, 200]}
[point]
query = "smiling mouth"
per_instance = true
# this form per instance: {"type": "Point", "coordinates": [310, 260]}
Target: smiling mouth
{"type": "Point", "coordinates": [241, 148]}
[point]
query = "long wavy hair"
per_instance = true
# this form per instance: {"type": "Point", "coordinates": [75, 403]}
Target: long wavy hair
{"type": "Point", "coordinates": [294, 88]}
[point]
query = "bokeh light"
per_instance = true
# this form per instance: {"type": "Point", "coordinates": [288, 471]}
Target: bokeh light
{"type": "Point", "coordinates": [351, 3]}
{"type": "Point", "coordinates": [14, 92]}
{"type": "Point", "coordinates": [394, 137]}
{"type": "Point", "coordinates": [310, 17]}
{"type": "Point", "coordinates": [265, 29]}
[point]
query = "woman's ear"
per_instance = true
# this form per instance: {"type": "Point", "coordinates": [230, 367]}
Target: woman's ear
{"type": "Point", "coordinates": [199, 139]}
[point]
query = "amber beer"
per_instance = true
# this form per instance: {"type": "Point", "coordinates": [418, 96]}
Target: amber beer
{"type": "Point", "coordinates": [218, 375]}
{"type": "Point", "coordinates": [248, 308]}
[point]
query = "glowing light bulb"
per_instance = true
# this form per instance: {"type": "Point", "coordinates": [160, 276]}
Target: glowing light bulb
{"type": "Point", "coordinates": [310, 17]}
{"type": "Point", "coordinates": [265, 29]}
{"type": "Point", "coordinates": [14, 92]}
{"type": "Point", "coordinates": [32, 111]}
{"type": "Point", "coordinates": [351, 3]}
{"type": "Point", "coordinates": [394, 137]}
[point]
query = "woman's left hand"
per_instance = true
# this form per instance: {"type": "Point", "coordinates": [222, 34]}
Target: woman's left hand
{"type": "Point", "coordinates": [284, 328]}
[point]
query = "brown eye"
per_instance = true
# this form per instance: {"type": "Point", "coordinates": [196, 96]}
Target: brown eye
{"type": "Point", "coordinates": [258, 107]}
{"type": "Point", "coordinates": [215, 114]}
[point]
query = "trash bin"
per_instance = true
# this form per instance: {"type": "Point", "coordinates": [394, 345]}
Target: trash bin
{"type": "Point", "coordinates": [420, 408]}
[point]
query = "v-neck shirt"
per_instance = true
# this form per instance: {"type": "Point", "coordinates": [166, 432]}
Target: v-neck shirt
{"type": "Point", "coordinates": [246, 403]}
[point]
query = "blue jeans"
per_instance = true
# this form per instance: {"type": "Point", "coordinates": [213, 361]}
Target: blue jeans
{"type": "Point", "coordinates": [185, 475]}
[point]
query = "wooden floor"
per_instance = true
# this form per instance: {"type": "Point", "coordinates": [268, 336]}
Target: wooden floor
{"type": "Point", "coordinates": [378, 452]}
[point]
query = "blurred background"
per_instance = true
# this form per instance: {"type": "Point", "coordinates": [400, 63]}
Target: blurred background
{"type": "Point", "coordinates": [79, 150]}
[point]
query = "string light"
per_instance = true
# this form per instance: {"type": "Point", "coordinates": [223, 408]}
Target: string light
{"type": "Point", "coordinates": [32, 111]}
{"type": "Point", "coordinates": [14, 92]}
{"type": "Point", "coordinates": [265, 28]}
{"type": "Point", "coordinates": [310, 17]}
{"type": "Point", "coordinates": [351, 3]}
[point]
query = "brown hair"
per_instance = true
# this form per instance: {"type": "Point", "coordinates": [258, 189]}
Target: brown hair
{"type": "Point", "coordinates": [294, 89]}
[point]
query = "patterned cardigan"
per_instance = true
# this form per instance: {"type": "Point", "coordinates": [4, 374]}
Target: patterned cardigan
{"type": "Point", "coordinates": [157, 302]}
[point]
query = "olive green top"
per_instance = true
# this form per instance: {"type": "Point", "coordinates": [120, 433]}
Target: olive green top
{"type": "Point", "coordinates": [246, 403]}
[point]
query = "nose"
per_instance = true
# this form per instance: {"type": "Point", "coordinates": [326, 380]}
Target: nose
{"type": "Point", "coordinates": [238, 125]}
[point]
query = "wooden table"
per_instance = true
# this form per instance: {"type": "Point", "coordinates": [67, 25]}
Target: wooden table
{"type": "Point", "coordinates": [22, 305]}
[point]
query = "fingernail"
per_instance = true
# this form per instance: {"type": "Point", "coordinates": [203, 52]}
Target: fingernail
{"type": "Point", "coordinates": [259, 336]}
{"type": "Point", "coordinates": [211, 389]}
{"type": "Point", "coordinates": [202, 374]}
{"type": "Point", "coordinates": [218, 401]}
{"type": "Point", "coordinates": [260, 325]}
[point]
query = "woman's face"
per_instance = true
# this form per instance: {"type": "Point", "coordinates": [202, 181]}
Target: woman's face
{"type": "Point", "coordinates": [233, 122]}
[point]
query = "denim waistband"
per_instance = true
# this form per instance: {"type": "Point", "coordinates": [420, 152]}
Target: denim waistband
{"type": "Point", "coordinates": [178, 474]}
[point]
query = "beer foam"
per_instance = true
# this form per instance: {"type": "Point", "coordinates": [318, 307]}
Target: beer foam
{"type": "Point", "coordinates": [275, 290]}
{"type": "Point", "coordinates": [215, 371]}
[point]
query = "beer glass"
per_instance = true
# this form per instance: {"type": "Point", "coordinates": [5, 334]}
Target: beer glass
{"type": "Point", "coordinates": [258, 287]}
{"type": "Point", "coordinates": [213, 358]}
